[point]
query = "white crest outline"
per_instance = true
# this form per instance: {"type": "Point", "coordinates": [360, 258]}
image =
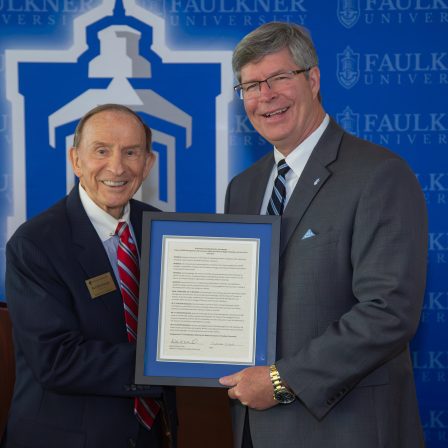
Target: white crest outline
{"type": "Point", "coordinates": [15, 56]}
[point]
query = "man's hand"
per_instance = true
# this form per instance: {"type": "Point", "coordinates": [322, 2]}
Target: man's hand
{"type": "Point", "coordinates": [252, 387]}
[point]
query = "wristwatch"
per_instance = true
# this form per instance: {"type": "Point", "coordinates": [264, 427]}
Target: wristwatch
{"type": "Point", "coordinates": [281, 393]}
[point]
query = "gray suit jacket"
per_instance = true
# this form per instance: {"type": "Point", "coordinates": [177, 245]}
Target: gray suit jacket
{"type": "Point", "coordinates": [349, 298]}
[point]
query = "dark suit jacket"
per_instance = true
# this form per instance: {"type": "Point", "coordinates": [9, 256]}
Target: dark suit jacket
{"type": "Point", "coordinates": [349, 298]}
{"type": "Point", "coordinates": [74, 364]}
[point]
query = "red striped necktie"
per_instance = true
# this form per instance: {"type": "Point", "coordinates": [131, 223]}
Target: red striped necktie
{"type": "Point", "coordinates": [145, 409]}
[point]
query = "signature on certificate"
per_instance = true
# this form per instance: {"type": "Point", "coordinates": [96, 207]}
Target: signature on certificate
{"type": "Point", "coordinates": [175, 341]}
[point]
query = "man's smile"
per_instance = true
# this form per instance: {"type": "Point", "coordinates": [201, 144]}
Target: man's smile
{"type": "Point", "coordinates": [114, 183]}
{"type": "Point", "coordinates": [275, 112]}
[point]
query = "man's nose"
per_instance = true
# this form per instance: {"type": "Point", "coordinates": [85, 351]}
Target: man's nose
{"type": "Point", "coordinates": [116, 165]}
{"type": "Point", "coordinates": [265, 90]}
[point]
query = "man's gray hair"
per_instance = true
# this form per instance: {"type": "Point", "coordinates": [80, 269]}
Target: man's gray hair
{"type": "Point", "coordinates": [270, 38]}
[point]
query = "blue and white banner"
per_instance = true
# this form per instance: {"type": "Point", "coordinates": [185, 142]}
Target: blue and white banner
{"type": "Point", "coordinates": [384, 66]}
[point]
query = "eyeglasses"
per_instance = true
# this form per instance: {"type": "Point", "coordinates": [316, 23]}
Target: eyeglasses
{"type": "Point", "coordinates": [252, 89]}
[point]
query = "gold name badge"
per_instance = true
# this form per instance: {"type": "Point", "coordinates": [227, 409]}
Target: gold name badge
{"type": "Point", "coordinates": [100, 285]}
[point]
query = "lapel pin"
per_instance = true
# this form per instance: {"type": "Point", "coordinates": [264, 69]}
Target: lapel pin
{"type": "Point", "coordinates": [317, 181]}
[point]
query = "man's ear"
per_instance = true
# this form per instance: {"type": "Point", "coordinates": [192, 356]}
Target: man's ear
{"type": "Point", "coordinates": [314, 80]}
{"type": "Point", "coordinates": [74, 160]}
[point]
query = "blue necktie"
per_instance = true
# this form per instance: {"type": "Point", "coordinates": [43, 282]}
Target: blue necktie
{"type": "Point", "coordinates": [277, 202]}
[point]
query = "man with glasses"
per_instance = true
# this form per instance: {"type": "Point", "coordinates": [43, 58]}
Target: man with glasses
{"type": "Point", "coordinates": [352, 265]}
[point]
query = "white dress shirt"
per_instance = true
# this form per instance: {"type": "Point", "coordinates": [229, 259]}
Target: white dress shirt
{"type": "Point", "coordinates": [296, 160]}
{"type": "Point", "coordinates": [105, 226]}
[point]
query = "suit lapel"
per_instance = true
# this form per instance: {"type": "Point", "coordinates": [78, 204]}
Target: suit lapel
{"type": "Point", "coordinates": [90, 253]}
{"type": "Point", "coordinates": [311, 181]}
{"type": "Point", "coordinates": [136, 221]}
{"type": "Point", "coordinates": [257, 187]}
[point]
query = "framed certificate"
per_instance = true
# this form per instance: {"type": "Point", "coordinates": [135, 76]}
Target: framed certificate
{"type": "Point", "coordinates": [208, 296]}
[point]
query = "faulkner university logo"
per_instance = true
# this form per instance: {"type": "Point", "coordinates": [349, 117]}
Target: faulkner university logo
{"type": "Point", "coordinates": [348, 12]}
{"type": "Point", "coordinates": [397, 68]}
{"type": "Point", "coordinates": [348, 68]}
{"type": "Point", "coordinates": [390, 13]}
{"type": "Point", "coordinates": [119, 55]}
{"type": "Point", "coordinates": [397, 128]}
{"type": "Point", "coordinates": [349, 120]}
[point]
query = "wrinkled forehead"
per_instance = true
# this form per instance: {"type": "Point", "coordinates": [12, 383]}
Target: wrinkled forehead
{"type": "Point", "coordinates": [107, 121]}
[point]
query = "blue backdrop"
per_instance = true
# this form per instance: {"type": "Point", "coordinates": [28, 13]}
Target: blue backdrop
{"type": "Point", "coordinates": [384, 66]}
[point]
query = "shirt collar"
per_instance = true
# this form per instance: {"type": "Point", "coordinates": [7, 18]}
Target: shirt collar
{"type": "Point", "coordinates": [104, 224]}
{"type": "Point", "coordinates": [296, 158]}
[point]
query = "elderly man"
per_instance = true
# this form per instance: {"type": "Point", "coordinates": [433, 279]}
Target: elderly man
{"type": "Point", "coordinates": [352, 265]}
{"type": "Point", "coordinates": [72, 290]}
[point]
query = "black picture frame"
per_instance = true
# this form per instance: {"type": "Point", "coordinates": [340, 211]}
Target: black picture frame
{"type": "Point", "coordinates": [265, 230]}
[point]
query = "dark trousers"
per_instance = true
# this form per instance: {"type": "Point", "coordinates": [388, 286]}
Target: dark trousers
{"type": "Point", "coordinates": [149, 439]}
{"type": "Point", "coordinates": [247, 439]}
